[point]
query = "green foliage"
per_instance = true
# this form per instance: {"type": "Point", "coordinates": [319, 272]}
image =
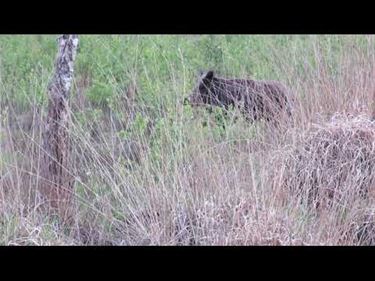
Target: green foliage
{"type": "Point", "coordinates": [164, 68]}
{"type": "Point", "coordinates": [139, 125]}
{"type": "Point", "coordinates": [100, 93]}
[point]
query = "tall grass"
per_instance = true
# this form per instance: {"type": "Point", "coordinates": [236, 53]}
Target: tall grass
{"type": "Point", "coordinates": [151, 171]}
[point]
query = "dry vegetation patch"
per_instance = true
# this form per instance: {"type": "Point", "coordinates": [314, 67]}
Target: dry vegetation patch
{"type": "Point", "coordinates": [334, 160]}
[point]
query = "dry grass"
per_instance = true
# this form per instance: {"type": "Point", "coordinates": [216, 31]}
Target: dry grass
{"type": "Point", "coordinates": [334, 158]}
{"type": "Point", "coordinates": [311, 183]}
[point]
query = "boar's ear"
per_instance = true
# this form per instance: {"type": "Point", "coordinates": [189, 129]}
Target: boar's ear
{"type": "Point", "coordinates": [209, 75]}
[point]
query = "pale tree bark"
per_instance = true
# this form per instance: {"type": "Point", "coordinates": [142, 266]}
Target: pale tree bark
{"type": "Point", "coordinates": [56, 184]}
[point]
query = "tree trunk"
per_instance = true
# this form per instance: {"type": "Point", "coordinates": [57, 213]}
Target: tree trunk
{"type": "Point", "coordinates": [56, 184]}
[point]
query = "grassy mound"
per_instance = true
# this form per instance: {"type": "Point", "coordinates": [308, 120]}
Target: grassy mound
{"type": "Point", "coordinates": [334, 161]}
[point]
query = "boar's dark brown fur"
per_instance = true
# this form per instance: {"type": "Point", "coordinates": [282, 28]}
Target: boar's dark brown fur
{"type": "Point", "coordinates": [255, 99]}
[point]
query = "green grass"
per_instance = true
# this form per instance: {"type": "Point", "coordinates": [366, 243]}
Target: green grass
{"type": "Point", "coordinates": [159, 63]}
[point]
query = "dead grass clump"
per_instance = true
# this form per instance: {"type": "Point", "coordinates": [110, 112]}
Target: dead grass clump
{"type": "Point", "coordinates": [360, 228]}
{"type": "Point", "coordinates": [334, 160]}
